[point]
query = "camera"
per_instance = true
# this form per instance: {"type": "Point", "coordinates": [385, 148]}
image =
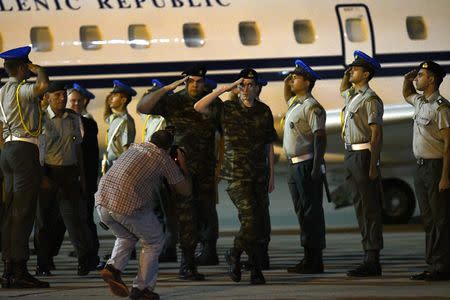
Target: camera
{"type": "Point", "coordinates": [174, 154]}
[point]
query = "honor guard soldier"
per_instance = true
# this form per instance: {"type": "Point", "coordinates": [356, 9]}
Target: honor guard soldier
{"type": "Point", "coordinates": [362, 119]}
{"type": "Point", "coordinates": [121, 127]}
{"type": "Point", "coordinates": [195, 133]}
{"type": "Point", "coordinates": [431, 147]}
{"type": "Point", "coordinates": [152, 123]}
{"type": "Point", "coordinates": [21, 117]}
{"type": "Point", "coordinates": [62, 184]}
{"type": "Point", "coordinates": [248, 165]}
{"type": "Point", "coordinates": [304, 143]}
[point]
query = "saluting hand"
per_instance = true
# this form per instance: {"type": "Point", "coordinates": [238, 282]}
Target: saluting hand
{"type": "Point", "coordinates": [411, 75]}
{"type": "Point", "coordinates": [34, 68]}
{"type": "Point", "coordinates": [228, 88]}
{"type": "Point", "coordinates": [288, 79]}
{"type": "Point", "coordinates": [175, 84]}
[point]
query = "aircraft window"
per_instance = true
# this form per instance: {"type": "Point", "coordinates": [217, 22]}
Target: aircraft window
{"type": "Point", "coordinates": [417, 28]}
{"type": "Point", "coordinates": [304, 32]}
{"type": "Point", "coordinates": [249, 33]}
{"type": "Point", "coordinates": [193, 35]}
{"type": "Point", "coordinates": [138, 36]}
{"type": "Point", "coordinates": [90, 37]}
{"type": "Point", "coordinates": [41, 39]}
{"type": "Point", "coordinates": [356, 29]}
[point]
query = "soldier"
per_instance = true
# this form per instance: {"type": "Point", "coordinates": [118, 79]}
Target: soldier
{"type": "Point", "coordinates": [304, 143]}
{"type": "Point", "coordinates": [248, 165]}
{"type": "Point", "coordinates": [164, 208]}
{"type": "Point", "coordinates": [195, 133]}
{"type": "Point", "coordinates": [20, 114]}
{"type": "Point", "coordinates": [63, 177]}
{"type": "Point", "coordinates": [362, 134]}
{"type": "Point", "coordinates": [121, 130]}
{"type": "Point", "coordinates": [431, 147]}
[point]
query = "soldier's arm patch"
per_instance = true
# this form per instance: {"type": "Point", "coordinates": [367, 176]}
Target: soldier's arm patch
{"type": "Point", "coordinates": [443, 103]}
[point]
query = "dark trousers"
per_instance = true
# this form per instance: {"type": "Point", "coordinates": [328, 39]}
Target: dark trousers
{"type": "Point", "coordinates": [187, 222]}
{"type": "Point", "coordinates": [165, 210]}
{"type": "Point", "coordinates": [22, 175]}
{"type": "Point", "coordinates": [307, 196]}
{"type": "Point", "coordinates": [249, 198]}
{"type": "Point", "coordinates": [435, 209]}
{"type": "Point", "coordinates": [205, 199]}
{"type": "Point", "coordinates": [70, 207]}
{"type": "Point", "coordinates": [366, 196]}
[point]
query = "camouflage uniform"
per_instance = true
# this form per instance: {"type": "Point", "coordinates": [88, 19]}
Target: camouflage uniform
{"type": "Point", "coordinates": [195, 133]}
{"type": "Point", "coordinates": [247, 131]}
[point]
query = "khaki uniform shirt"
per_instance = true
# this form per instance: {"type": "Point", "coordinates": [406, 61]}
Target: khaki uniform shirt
{"type": "Point", "coordinates": [152, 123]}
{"type": "Point", "coordinates": [29, 107]}
{"type": "Point", "coordinates": [430, 116]}
{"type": "Point", "coordinates": [362, 108]}
{"type": "Point", "coordinates": [304, 117]}
{"type": "Point", "coordinates": [62, 136]}
{"type": "Point", "coordinates": [123, 136]}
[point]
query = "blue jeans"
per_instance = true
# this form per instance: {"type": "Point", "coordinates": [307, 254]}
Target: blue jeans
{"type": "Point", "coordinates": [141, 226]}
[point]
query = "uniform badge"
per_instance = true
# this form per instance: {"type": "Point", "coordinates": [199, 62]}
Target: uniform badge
{"type": "Point", "coordinates": [291, 125]}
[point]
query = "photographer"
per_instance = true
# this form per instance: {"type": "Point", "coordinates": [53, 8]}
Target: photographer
{"type": "Point", "coordinates": [123, 204]}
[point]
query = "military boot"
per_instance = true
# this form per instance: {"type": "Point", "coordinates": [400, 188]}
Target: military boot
{"type": "Point", "coordinates": [233, 259]}
{"type": "Point", "coordinates": [370, 267]}
{"type": "Point", "coordinates": [7, 274]}
{"type": "Point", "coordinates": [21, 279]}
{"type": "Point", "coordinates": [312, 263]}
{"type": "Point", "coordinates": [208, 255]}
{"type": "Point", "coordinates": [188, 269]}
{"type": "Point", "coordinates": [256, 275]}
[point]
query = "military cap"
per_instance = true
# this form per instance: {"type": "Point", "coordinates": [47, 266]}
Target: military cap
{"type": "Point", "coordinates": [303, 69]}
{"type": "Point", "coordinates": [20, 53]}
{"type": "Point", "coordinates": [120, 87]}
{"type": "Point", "coordinates": [262, 82]}
{"type": "Point", "coordinates": [210, 84]}
{"type": "Point", "coordinates": [195, 70]}
{"type": "Point", "coordinates": [364, 60]}
{"type": "Point", "coordinates": [249, 74]}
{"type": "Point", "coordinates": [88, 95]}
{"type": "Point", "coordinates": [55, 86]}
{"type": "Point", "coordinates": [433, 67]}
{"type": "Point", "coordinates": [156, 85]}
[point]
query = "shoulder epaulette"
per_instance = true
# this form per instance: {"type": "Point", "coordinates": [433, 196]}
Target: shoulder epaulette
{"type": "Point", "coordinates": [442, 102]}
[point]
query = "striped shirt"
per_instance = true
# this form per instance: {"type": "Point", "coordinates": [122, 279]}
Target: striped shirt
{"type": "Point", "coordinates": [135, 177]}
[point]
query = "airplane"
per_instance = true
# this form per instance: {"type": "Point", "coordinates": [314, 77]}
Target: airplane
{"type": "Point", "coordinates": [135, 41]}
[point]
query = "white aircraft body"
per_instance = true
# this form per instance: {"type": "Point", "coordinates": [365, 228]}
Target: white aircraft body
{"type": "Point", "coordinates": [93, 42]}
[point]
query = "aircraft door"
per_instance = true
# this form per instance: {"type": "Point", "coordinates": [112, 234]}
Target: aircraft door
{"type": "Point", "coordinates": [356, 30]}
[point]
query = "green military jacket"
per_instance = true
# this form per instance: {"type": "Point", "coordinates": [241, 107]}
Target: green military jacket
{"type": "Point", "coordinates": [247, 131]}
{"type": "Point", "coordinates": [194, 132]}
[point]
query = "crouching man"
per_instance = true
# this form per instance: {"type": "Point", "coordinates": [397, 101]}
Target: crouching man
{"type": "Point", "coordinates": [123, 202]}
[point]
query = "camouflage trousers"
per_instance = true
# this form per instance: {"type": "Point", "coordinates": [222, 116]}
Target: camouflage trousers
{"type": "Point", "coordinates": [187, 222]}
{"type": "Point", "coordinates": [252, 202]}
{"type": "Point", "coordinates": [205, 204]}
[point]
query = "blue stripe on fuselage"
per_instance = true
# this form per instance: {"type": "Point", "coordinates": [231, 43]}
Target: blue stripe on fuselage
{"type": "Point", "coordinates": [335, 62]}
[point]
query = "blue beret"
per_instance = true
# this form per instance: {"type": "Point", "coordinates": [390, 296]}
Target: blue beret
{"type": "Point", "coordinates": [433, 67]}
{"type": "Point", "coordinates": [157, 83]}
{"type": "Point", "coordinates": [88, 95]}
{"type": "Point", "coordinates": [364, 60]}
{"type": "Point", "coordinates": [120, 87]}
{"type": "Point", "coordinates": [262, 82]}
{"type": "Point", "coordinates": [210, 84]}
{"type": "Point", "coordinates": [195, 70]}
{"type": "Point", "coordinates": [17, 53]}
{"type": "Point", "coordinates": [301, 68]}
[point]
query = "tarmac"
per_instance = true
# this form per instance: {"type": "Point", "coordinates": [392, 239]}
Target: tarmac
{"type": "Point", "coordinates": [403, 255]}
